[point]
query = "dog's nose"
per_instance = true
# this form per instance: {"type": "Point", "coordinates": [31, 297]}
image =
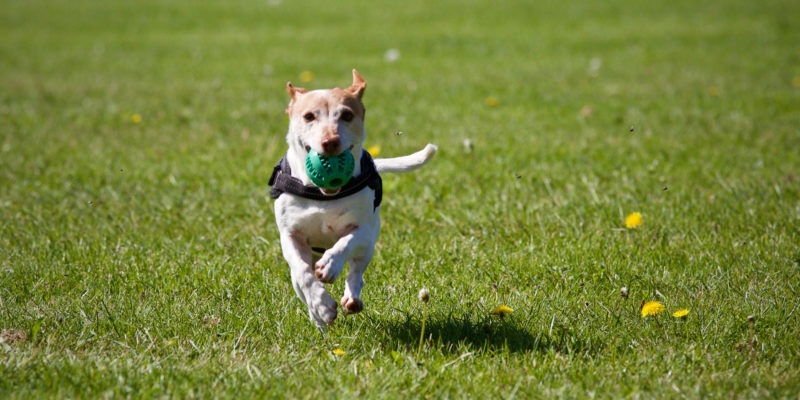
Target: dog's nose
{"type": "Point", "coordinates": [330, 145]}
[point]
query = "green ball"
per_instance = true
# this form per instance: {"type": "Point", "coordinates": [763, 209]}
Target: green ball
{"type": "Point", "coordinates": [330, 172]}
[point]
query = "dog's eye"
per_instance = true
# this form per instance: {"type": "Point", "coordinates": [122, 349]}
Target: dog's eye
{"type": "Point", "coordinates": [347, 116]}
{"type": "Point", "coordinates": [309, 116]}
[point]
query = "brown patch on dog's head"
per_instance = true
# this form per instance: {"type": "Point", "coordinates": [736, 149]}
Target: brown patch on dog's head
{"type": "Point", "coordinates": [350, 96]}
{"type": "Point", "coordinates": [351, 100]}
{"type": "Point", "coordinates": [328, 121]}
{"type": "Point", "coordinates": [324, 100]}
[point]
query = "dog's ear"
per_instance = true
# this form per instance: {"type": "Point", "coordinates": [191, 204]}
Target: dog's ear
{"type": "Point", "coordinates": [293, 92]}
{"type": "Point", "coordinates": [358, 86]}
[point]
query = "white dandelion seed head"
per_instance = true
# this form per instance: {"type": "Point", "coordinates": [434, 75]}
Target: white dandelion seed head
{"type": "Point", "coordinates": [391, 55]}
{"type": "Point", "coordinates": [424, 295]}
{"type": "Point", "coordinates": [594, 66]}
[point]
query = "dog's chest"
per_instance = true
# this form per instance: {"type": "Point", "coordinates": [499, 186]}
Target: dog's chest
{"type": "Point", "coordinates": [322, 223]}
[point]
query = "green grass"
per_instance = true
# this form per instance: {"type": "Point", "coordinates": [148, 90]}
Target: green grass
{"type": "Point", "coordinates": [142, 259]}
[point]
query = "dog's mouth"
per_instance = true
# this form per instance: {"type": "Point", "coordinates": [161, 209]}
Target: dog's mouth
{"type": "Point", "coordinates": [307, 148]}
{"type": "Point", "coordinates": [330, 192]}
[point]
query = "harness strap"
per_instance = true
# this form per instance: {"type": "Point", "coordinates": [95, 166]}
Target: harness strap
{"type": "Point", "coordinates": [282, 182]}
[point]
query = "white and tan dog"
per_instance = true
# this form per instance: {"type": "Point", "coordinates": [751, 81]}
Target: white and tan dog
{"type": "Point", "coordinates": [321, 230]}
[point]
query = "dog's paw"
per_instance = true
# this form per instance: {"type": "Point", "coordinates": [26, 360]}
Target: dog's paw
{"type": "Point", "coordinates": [352, 305]}
{"type": "Point", "coordinates": [328, 268]}
{"type": "Point", "coordinates": [323, 310]}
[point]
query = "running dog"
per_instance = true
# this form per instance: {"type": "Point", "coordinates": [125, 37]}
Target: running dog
{"type": "Point", "coordinates": [322, 229]}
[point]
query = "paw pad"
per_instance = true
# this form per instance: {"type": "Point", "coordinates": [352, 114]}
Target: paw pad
{"type": "Point", "coordinates": [352, 306]}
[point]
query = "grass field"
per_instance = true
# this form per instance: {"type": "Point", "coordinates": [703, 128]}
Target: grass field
{"type": "Point", "coordinates": [139, 256]}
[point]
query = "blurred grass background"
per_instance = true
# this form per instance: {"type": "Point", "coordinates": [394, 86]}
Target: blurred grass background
{"type": "Point", "coordinates": [139, 257]}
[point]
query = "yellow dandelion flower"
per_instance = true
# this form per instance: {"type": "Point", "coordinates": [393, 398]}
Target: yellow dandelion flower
{"type": "Point", "coordinates": [652, 308]}
{"type": "Point", "coordinates": [306, 76]}
{"type": "Point", "coordinates": [796, 81]}
{"type": "Point", "coordinates": [136, 118]}
{"type": "Point", "coordinates": [374, 150]}
{"type": "Point", "coordinates": [492, 101]}
{"type": "Point", "coordinates": [682, 313]}
{"type": "Point", "coordinates": [633, 220]}
{"type": "Point", "coordinates": [713, 91]}
{"type": "Point", "coordinates": [502, 310]}
{"type": "Point", "coordinates": [338, 352]}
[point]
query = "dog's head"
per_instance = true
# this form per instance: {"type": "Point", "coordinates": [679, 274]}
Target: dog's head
{"type": "Point", "coordinates": [329, 121]}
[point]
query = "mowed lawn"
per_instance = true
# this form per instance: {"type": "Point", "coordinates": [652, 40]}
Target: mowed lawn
{"type": "Point", "coordinates": [139, 256]}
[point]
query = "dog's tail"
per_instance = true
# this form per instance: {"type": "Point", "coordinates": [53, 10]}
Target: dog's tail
{"type": "Point", "coordinates": [406, 163]}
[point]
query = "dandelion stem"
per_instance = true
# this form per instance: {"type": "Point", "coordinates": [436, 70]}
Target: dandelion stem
{"type": "Point", "coordinates": [422, 331]}
{"type": "Point", "coordinates": [663, 332]}
{"type": "Point", "coordinates": [750, 322]}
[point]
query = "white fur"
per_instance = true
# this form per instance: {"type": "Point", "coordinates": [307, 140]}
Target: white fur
{"type": "Point", "coordinates": [406, 163]}
{"type": "Point", "coordinates": [346, 227]}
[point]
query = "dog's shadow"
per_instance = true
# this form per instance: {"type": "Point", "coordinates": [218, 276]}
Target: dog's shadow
{"type": "Point", "coordinates": [456, 333]}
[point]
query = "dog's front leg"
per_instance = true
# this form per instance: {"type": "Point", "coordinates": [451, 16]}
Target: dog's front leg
{"type": "Point", "coordinates": [321, 306]}
{"type": "Point", "coordinates": [356, 247]}
{"type": "Point", "coordinates": [331, 263]}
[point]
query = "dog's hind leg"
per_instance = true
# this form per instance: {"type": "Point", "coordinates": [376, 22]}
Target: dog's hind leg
{"type": "Point", "coordinates": [321, 306]}
{"type": "Point", "coordinates": [351, 301]}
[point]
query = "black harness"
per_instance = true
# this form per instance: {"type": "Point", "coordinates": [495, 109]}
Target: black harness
{"type": "Point", "coordinates": [282, 182]}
